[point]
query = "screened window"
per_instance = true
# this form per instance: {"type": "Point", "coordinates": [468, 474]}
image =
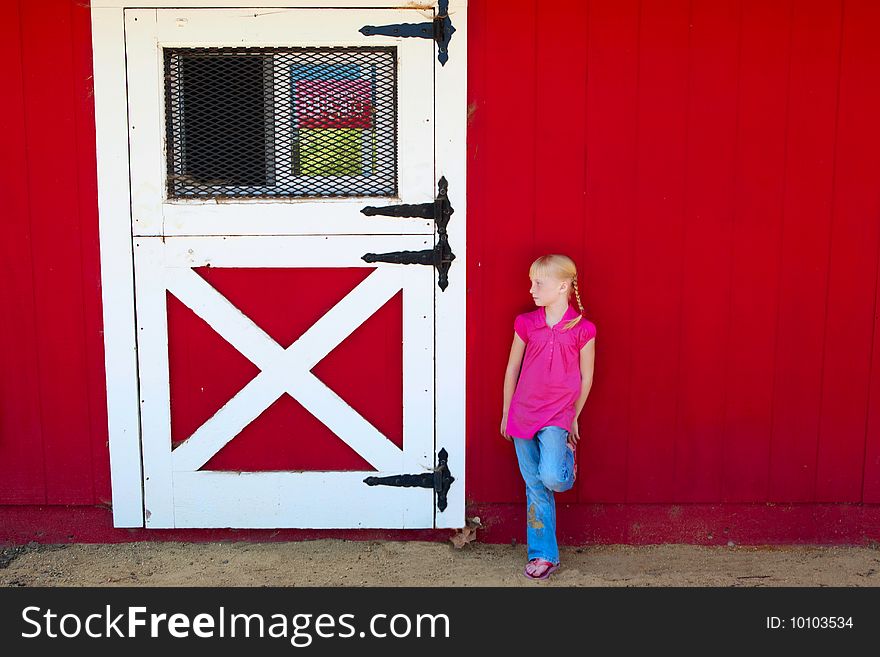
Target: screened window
{"type": "Point", "coordinates": [302, 122]}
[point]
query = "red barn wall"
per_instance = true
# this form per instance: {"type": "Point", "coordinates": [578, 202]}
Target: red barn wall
{"type": "Point", "coordinates": [712, 166]}
{"type": "Point", "coordinates": [53, 418]}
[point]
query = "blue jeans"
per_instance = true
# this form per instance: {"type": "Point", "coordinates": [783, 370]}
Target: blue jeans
{"type": "Point", "coordinates": [547, 466]}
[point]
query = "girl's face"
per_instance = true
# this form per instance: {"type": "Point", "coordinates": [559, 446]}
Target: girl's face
{"type": "Point", "coordinates": [545, 289]}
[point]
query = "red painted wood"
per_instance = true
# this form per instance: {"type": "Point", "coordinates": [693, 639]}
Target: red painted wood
{"type": "Point", "coordinates": [857, 203]}
{"type": "Point", "coordinates": [697, 524]}
{"type": "Point", "coordinates": [506, 227]}
{"type": "Point", "coordinates": [286, 437]}
{"type": "Point", "coordinates": [803, 282]}
{"type": "Point", "coordinates": [612, 83]}
{"type": "Point", "coordinates": [706, 255]}
{"type": "Point", "coordinates": [56, 230]}
{"type": "Point", "coordinates": [22, 478]}
{"type": "Point", "coordinates": [478, 423]}
{"type": "Point", "coordinates": [578, 524]}
{"type": "Point", "coordinates": [764, 53]}
{"type": "Point", "coordinates": [87, 191]}
{"type": "Point", "coordinates": [871, 479]}
{"type": "Point", "coordinates": [560, 154]}
{"type": "Point", "coordinates": [657, 249]}
{"type": "Point", "coordinates": [853, 240]}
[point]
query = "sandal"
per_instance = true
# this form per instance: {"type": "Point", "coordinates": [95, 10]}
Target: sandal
{"type": "Point", "coordinates": [537, 563]}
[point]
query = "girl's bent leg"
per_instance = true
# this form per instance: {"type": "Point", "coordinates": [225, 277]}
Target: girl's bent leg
{"type": "Point", "coordinates": [540, 507]}
{"type": "Point", "coordinates": [556, 467]}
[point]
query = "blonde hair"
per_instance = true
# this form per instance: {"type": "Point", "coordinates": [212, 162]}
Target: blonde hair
{"type": "Point", "coordinates": [562, 268]}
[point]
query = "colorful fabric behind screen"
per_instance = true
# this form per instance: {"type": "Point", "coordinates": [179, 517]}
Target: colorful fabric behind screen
{"type": "Point", "coordinates": [270, 122]}
{"type": "Point", "coordinates": [334, 133]}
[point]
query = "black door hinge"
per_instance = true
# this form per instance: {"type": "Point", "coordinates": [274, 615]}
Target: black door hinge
{"type": "Point", "coordinates": [440, 29]}
{"type": "Point", "coordinates": [440, 479]}
{"type": "Point", "coordinates": [441, 256]}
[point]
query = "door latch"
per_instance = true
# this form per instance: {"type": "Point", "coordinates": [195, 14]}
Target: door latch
{"type": "Point", "coordinates": [440, 479]}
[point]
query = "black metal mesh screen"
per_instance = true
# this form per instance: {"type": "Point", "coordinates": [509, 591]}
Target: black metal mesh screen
{"type": "Point", "coordinates": [281, 121]}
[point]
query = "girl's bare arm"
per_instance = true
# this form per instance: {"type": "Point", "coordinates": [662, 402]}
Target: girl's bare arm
{"type": "Point", "coordinates": [588, 357]}
{"type": "Point", "coordinates": [511, 374]}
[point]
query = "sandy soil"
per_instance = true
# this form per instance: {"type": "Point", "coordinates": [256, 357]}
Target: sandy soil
{"type": "Point", "coordinates": [335, 562]}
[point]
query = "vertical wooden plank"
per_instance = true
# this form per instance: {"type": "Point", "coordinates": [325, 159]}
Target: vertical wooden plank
{"type": "Point", "coordinates": [480, 415]}
{"type": "Point", "coordinates": [22, 479]}
{"type": "Point", "coordinates": [507, 182]}
{"type": "Point", "coordinates": [450, 102]}
{"type": "Point", "coordinates": [656, 337]}
{"type": "Point", "coordinates": [759, 169]}
{"type": "Point", "coordinates": [87, 207]}
{"type": "Point", "coordinates": [852, 340]}
{"type": "Point", "coordinates": [48, 90]}
{"type": "Point", "coordinates": [853, 261]}
{"type": "Point", "coordinates": [714, 40]}
{"type": "Point", "coordinates": [871, 477]}
{"type": "Point", "coordinates": [611, 135]}
{"type": "Point", "coordinates": [803, 280]}
{"type": "Point", "coordinates": [117, 276]}
{"type": "Point", "coordinates": [154, 382]}
{"type": "Point", "coordinates": [560, 96]}
{"type": "Point", "coordinates": [559, 91]}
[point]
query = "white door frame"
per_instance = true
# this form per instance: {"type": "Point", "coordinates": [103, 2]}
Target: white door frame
{"type": "Point", "coordinates": [116, 246]}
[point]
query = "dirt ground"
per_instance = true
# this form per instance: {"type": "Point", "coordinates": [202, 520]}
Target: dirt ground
{"type": "Point", "coordinates": [336, 562]}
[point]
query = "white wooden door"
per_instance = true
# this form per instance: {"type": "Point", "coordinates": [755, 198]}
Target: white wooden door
{"type": "Point", "coordinates": [343, 121]}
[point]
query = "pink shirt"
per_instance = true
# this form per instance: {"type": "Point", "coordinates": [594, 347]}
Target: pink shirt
{"type": "Point", "coordinates": [550, 378]}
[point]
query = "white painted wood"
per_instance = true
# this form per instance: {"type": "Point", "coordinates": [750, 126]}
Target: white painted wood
{"type": "Point", "coordinates": [297, 499]}
{"type": "Point", "coordinates": [150, 30]}
{"type": "Point", "coordinates": [114, 228]}
{"type": "Point", "coordinates": [418, 361]}
{"type": "Point", "coordinates": [144, 79]}
{"type": "Point", "coordinates": [451, 305]}
{"type": "Point", "coordinates": [286, 250]}
{"type": "Point", "coordinates": [166, 264]}
{"type": "Point", "coordinates": [155, 393]}
{"type": "Point", "coordinates": [257, 217]}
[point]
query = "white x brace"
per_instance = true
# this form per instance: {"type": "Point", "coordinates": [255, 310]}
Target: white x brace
{"type": "Point", "coordinates": [286, 370]}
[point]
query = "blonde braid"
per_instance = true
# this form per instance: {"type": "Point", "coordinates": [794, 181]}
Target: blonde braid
{"type": "Point", "coordinates": [577, 294]}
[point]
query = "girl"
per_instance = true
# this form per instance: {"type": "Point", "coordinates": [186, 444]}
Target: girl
{"type": "Point", "coordinates": [556, 346]}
